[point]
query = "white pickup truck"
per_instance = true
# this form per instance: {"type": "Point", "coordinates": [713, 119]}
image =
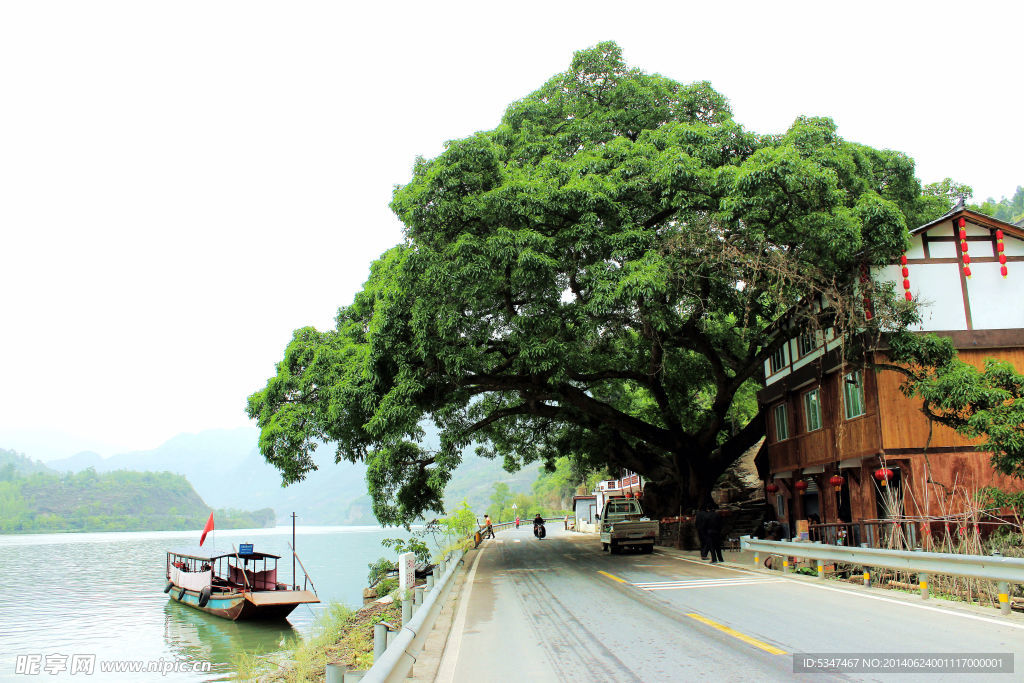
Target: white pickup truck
{"type": "Point", "coordinates": [623, 525]}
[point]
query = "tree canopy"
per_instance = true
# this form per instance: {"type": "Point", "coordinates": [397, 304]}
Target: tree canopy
{"type": "Point", "coordinates": [601, 276]}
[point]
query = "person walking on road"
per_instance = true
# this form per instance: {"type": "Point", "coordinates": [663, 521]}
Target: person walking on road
{"type": "Point", "coordinates": [488, 529]}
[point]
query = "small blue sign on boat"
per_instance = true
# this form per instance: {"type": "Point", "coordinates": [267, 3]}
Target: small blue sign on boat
{"type": "Point", "coordinates": [245, 549]}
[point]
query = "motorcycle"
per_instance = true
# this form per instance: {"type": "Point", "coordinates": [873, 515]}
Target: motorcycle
{"type": "Point", "coordinates": [539, 531]}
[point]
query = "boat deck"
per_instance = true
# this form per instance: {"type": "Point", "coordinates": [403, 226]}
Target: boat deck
{"type": "Point", "coordinates": [281, 597]}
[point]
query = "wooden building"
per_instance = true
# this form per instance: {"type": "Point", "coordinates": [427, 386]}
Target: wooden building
{"type": "Point", "coordinates": [966, 271]}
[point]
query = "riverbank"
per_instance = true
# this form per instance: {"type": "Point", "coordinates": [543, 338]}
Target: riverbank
{"type": "Point", "coordinates": [341, 636]}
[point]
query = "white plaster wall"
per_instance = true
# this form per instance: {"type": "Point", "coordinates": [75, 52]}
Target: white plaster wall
{"type": "Point", "coordinates": [976, 230]}
{"type": "Point", "coordinates": [808, 358]}
{"type": "Point", "coordinates": [943, 250]}
{"type": "Point", "coordinates": [936, 288]}
{"type": "Point", "coordinates": [1013, 247]}
{"type": "Point", "coordinates": [916, 249]}
{"type": "Point", "coordinates": [995, 302]}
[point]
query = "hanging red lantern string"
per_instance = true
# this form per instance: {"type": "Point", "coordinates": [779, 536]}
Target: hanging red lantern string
{"type": "Point", "coordinates": [906, 278]}
{"type": "Point", "coordinates": [1000, 247]}
{"type": "Point", "coordinates": [963, 247]}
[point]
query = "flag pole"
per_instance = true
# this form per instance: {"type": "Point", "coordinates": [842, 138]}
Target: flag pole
{"type": "Point", "coordinates": [295, 586]}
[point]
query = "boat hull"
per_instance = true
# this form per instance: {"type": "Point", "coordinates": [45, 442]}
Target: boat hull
{"type": "Point", "coordinates": [264, 605]}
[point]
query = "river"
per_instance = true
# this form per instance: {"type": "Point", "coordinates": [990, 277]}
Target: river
{"type": "Point", "coordinates": [65, 596]}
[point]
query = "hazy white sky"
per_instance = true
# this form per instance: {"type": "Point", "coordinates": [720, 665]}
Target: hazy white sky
{"type": "Point", "coordinates": [182, 184]}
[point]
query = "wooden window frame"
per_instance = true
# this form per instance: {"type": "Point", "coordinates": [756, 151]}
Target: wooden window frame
{"type": "Point", "coordinates": [859, 384]}
{"type": "Point", "coordinates": [785, 421]}
{"type": "Point", "coordinates": [807, 412]}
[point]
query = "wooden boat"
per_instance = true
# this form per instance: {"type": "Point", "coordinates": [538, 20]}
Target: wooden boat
{"type": "Point", "coordinates": [223, 584]}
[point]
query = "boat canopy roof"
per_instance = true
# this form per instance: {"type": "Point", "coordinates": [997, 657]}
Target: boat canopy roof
{"type": "Point", "coordinates": [211, 554]}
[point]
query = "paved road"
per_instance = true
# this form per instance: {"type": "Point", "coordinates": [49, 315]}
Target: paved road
{"type": "Point", "coordinates": [562, 610]}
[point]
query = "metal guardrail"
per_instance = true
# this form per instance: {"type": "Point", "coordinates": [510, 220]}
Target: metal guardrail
{"type": "Point", "coordinates": [1004, 570]}
{"type": "Point", "coordinates": [996, 568]}
{"type": "Point", "coordinates": [401, 653]}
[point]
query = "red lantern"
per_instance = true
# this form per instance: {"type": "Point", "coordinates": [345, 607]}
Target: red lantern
{"type": "Point", "coordinates": [1002, 259]}
{"type": "Point", "coordinates": [884, 476]}
{"type": "Point", "coordinates": [906, 284]}
{"type": "Point", "coordinates": [906, 271]}
{"type": "Point", "coordinates": [772, 488]}
{"type": "Point", "coordinates": [963, 234]}
{"type": "Point", "coordinates": [999, 234]}
{"type": "Point", "coordinates": [800, 486]}
{"type": "Point", "coordinates": [967, 271]}
{"type": "Point", "coordinates": [1002, 270]}
{"type": "Point", "coordinates": [967, 259]}
{"type": "Point", "coordinates": [961, 223]}
{"type": "Point", "coordinates": [963, 246]}
{"type": "Point", "coordinates": [1000, 247]}
{"type": "Point", "coordinates": [837, 482]}
{"type": "Point", "coordinates": [910, 297]}
{"type": "Point", "coordinates": [903, 260]}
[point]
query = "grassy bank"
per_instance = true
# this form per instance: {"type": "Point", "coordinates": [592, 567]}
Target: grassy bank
{"type": "Point", "coordinates": [340, 636]}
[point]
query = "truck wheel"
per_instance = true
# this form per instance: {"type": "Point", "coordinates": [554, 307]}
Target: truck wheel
{"type": "Point", "coordinates": [614, 547]}
{"type": "Point", "coordinates": [649, 548]}
{"type": "Point", "coordinates": [604, 547]}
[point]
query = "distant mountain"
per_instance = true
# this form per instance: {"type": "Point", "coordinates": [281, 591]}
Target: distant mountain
{"type": "Point", "coordinates": [110, 501]}
{"type": "Point", "coordinates": [227, 470]}
{"type": "Point", "coordinates": [78, 462]}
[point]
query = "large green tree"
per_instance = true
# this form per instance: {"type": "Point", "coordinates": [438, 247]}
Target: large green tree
{"type": "Point", "coordinates": [602, 276]}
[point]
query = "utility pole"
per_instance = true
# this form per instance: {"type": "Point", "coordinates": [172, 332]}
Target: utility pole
{"type": "Point", "coordinates": [295, 585]}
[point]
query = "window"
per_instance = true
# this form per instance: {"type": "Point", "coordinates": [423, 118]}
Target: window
{"type": "Point", "coordinates": [778, 359]}
{"type": "Point", "coordinates": [853, 394]}
{"type": "Point", "coordinates": [812, 410]}
{"type": "Point", "coordinates": [807, 342]}
{"type": "Point", "coordinates": [781, 423]}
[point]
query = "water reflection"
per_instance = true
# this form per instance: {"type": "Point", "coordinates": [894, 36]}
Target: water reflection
{"type": "Point", "coordinates": [101, 595]}
{"type": "Point", "coordinates": [195, 636]}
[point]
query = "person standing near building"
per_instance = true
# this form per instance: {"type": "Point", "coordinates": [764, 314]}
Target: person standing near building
{"type": "Point", "coordinates": [701, 524]}
{"type": "Point", "coordinates": [714, 533]}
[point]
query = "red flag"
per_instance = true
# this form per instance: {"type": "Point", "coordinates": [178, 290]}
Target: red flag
{"type": "Point", "coordinates": [206, 529]}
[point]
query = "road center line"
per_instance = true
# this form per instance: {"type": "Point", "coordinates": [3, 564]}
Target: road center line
{"type": "Point", "coordinates": [612, 576]}
{"type": "Point", "coordinates": [736, 634]}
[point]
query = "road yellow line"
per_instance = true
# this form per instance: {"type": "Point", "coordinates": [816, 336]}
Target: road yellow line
{"type": "Point", "coordinates": [736, 634]}
{"type": "Point", "coordinates": [612, 576]}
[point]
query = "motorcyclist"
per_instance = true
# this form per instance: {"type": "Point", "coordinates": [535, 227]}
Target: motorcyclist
{"type": "Point", "coordinates": [538, 523]}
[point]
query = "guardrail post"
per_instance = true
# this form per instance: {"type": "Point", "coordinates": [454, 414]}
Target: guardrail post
{"type": "Point", "coordinates": [335, 673]}
{"type": "Point", "coordinates": [1004, 597]}
{"type": "Point", "coordinates": [380, 640]}
{"type": "Point", "coordinates": [757, 559]}
{"type": "Point", "coordinates": [430, 581]}
{"type": "Point", "coordinates": [821, 569]}
{"type": "Point", "coordinates": [785, 564]}
{"type": "Point", "coordinates": [867, 578]}
{"type": "Point", "coordinates": [352, 676]}
{"type": "Point", "coordinates": [418, 600]}
{"type": "Point", "coordinates": [922, 578]}
{"type": "Point", "coordinates": [406, 610]}
{"type": "Point", "coordinates": [390, 636]}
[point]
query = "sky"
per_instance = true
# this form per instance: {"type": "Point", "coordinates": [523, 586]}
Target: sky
{"type": "Point", "coordinates": [184, 184]}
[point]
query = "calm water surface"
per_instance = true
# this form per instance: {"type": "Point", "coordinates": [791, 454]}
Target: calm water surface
{"type": "Point", "coordinates": [74, 594]}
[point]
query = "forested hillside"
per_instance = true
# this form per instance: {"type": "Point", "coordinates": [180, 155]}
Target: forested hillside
{"type": "Point", "coordinates": [1010, 210]}
{"type": "Point", "coordinates": [41, 500]}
